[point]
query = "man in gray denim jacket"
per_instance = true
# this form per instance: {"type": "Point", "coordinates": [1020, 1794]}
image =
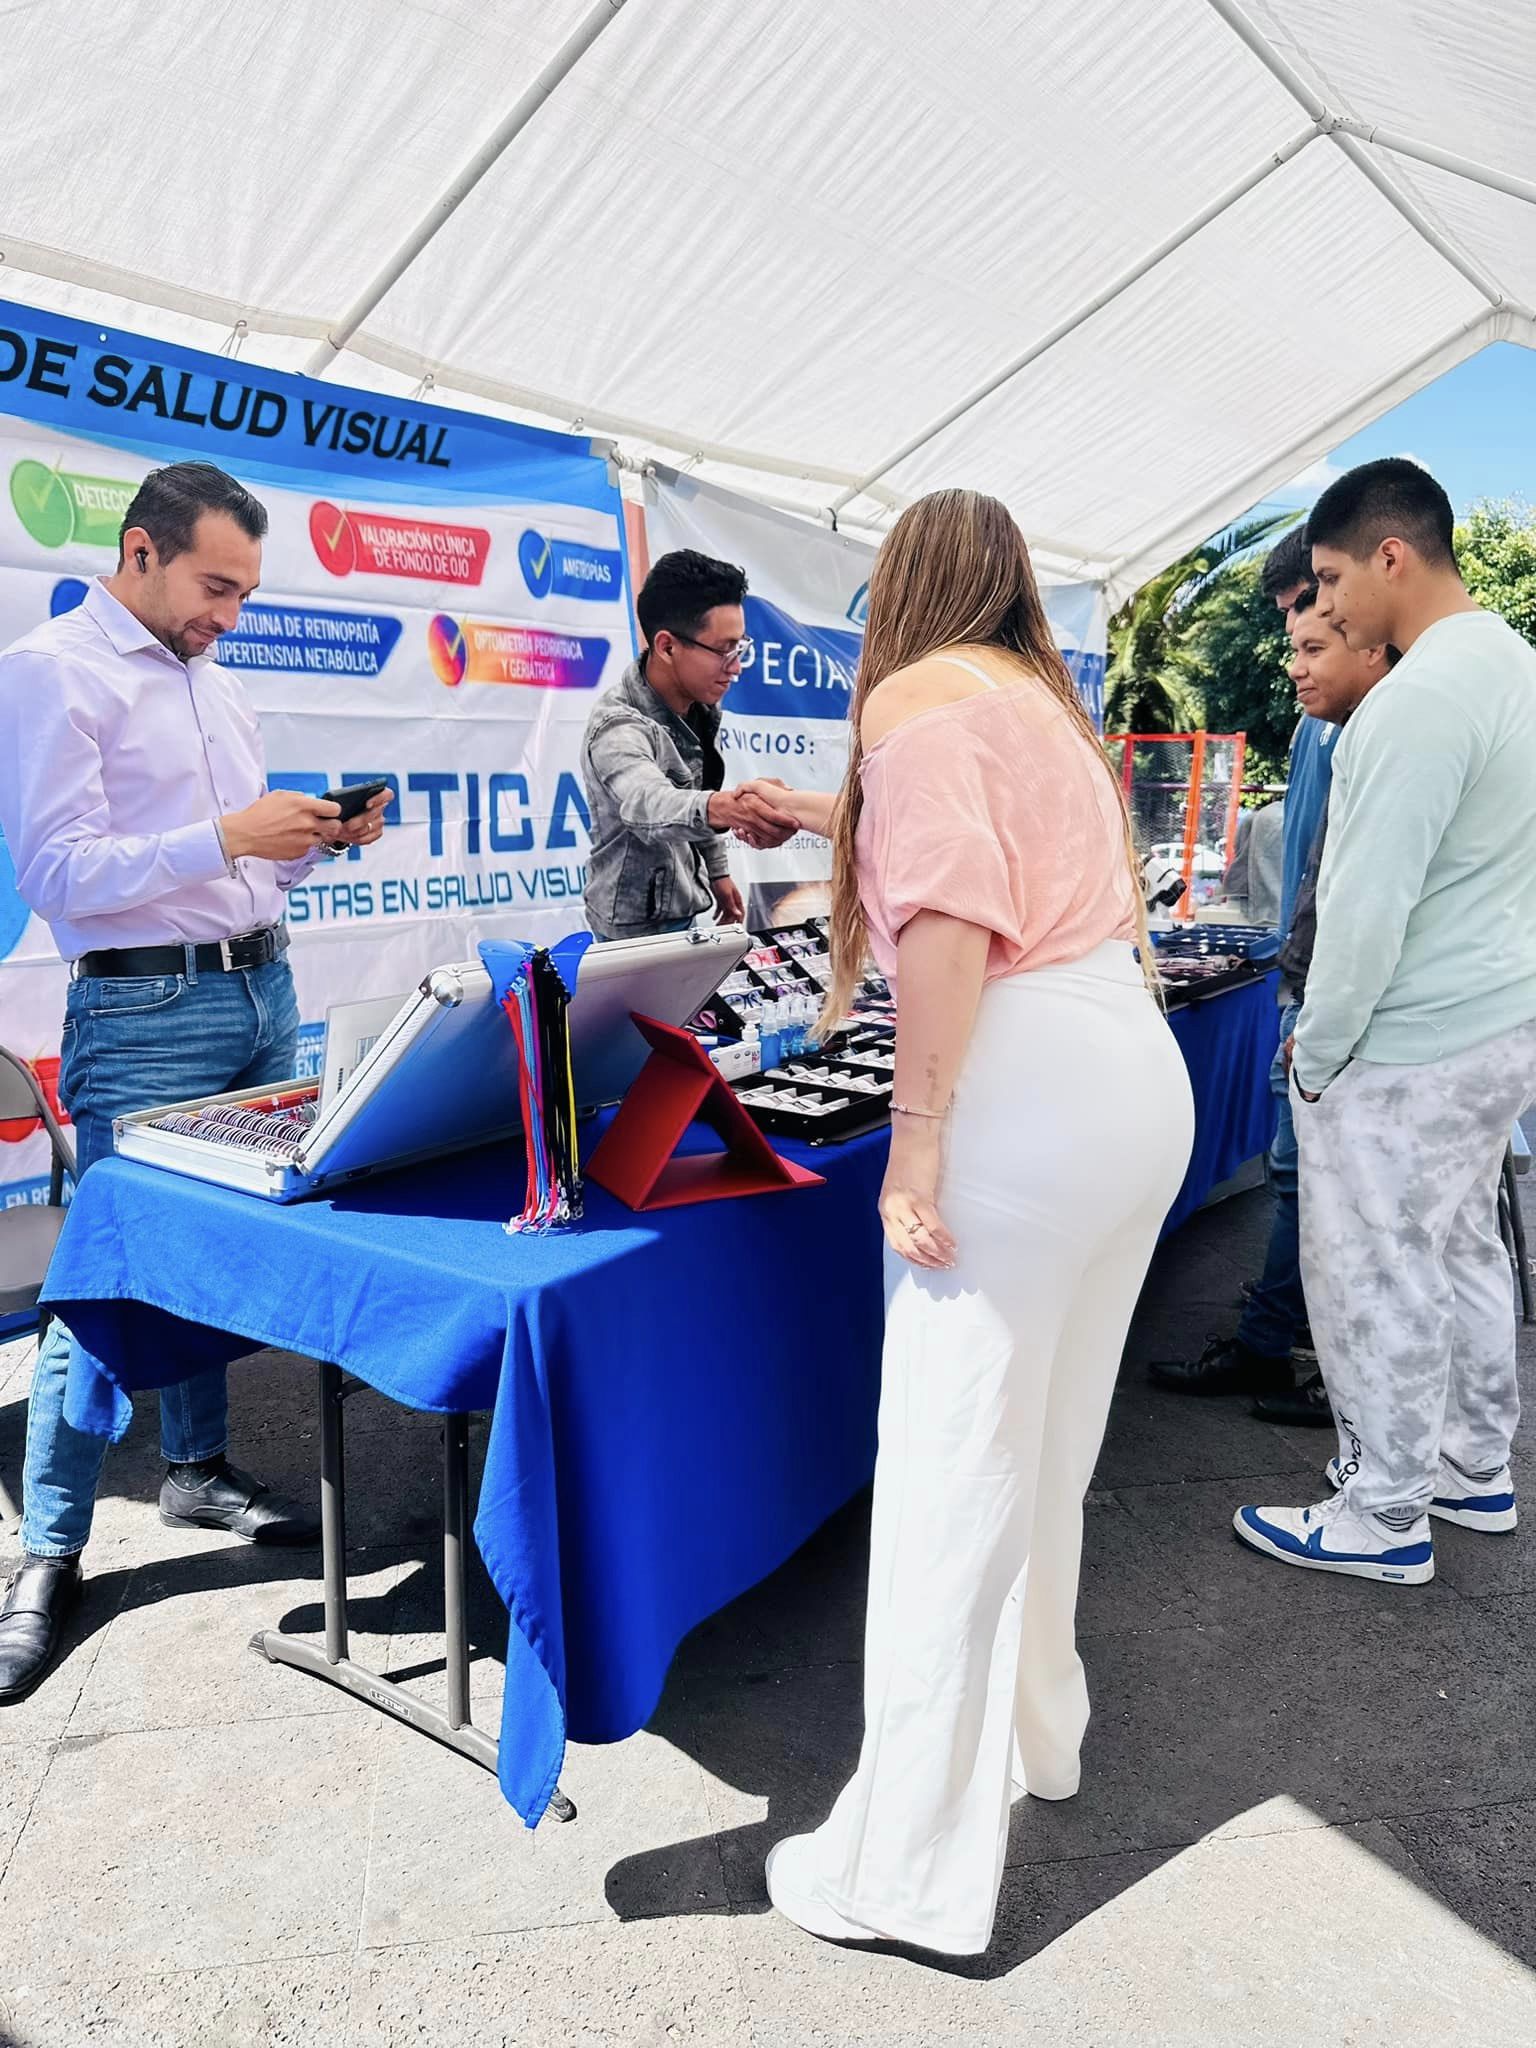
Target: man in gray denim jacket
{"type": "Point", "coordinates": [652, 767]}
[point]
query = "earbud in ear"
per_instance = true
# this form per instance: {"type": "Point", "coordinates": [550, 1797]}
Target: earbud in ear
{"type": "Point", "coordinates": [141, 556]}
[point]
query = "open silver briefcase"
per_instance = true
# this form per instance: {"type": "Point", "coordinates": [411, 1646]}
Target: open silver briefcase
{"type": "Point", "coordinates": [439, 1071]}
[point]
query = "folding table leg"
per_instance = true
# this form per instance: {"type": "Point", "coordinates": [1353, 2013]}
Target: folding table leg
{"type": "Point", "coordinates": [455, 1621]}
{"type": "Point", "coordinates": [455, 1519]}
{"type": "Point", "coordinates": [334, 1663]}
{"type": "Point", "coordinates": [333, 1512]}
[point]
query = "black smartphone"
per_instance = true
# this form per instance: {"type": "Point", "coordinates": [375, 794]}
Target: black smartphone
{"type": "Point", "coordinates": [354, 798]}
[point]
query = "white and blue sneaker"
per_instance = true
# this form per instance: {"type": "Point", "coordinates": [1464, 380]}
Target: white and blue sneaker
{"type": "Point", "coordinates": [1486, 1504]}
{"type": "Point", "coordinates": [1328, 1538]}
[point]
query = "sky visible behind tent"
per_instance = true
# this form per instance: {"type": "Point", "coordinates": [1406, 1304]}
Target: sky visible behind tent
{"type": "Point", "coordinates": [1474, 428]}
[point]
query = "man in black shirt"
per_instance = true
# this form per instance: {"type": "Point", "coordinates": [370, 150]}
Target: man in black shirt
{"type": "Point", "coordinates": [1331, 683]}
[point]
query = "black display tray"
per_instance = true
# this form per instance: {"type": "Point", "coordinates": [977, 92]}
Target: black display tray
{"type": "Point", "coordinates": [860, 1112]}
{"type": "Point", "coordinates": [1195, 941]}
{"type": "Point", "coordinates": [1179, 995]}
{"type": "Point", "coordinates": [793, 974]}
{"type": "Point", "coordinates": [815, 1131]}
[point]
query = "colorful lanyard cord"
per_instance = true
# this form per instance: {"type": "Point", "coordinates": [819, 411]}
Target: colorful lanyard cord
{"type": "Point", "coordinates": [537, 1006]}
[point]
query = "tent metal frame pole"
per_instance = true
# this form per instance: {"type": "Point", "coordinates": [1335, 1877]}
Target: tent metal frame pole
{"type": "Point", "coordinates": [599, 17]}
{"type": "Point", "coordinates": [1480, 279]}
{"type": "Point", "coordinates": [1058, 557]}
{"type": "Point", "coordinates": [1257, 479]}
{"type": "Point", "coordinates": [552, 407]}
{"type": "Point", "coordinates": [1290, 79]}
{"type": "Point", "coordinates": [1439, 159]}
{"type": "Point", "coordinates": [1115, 289]}
{"type": "Point", "coordinates": [1059, 553]}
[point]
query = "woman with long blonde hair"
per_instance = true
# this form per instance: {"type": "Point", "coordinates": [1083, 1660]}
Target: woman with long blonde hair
{"type": "Point", "coordinates": [1040, 1130]}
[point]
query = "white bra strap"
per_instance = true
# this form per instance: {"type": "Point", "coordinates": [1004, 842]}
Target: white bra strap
{"type": "Point", "coordinates": [971, 667]}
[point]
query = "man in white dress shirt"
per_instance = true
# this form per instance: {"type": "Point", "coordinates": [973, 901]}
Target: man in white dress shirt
{"type": "Point", "coordinates": [133, 797]}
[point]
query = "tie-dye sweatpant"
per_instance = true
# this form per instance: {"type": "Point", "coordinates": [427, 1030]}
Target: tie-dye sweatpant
{"type": "Point", "coordinates": [1407, 1281]}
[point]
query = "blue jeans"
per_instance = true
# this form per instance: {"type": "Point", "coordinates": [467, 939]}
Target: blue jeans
{"type": "Point", "coordinates": [1277, 1310]}
{"type": "Point", "coordinates": [135, 1043]}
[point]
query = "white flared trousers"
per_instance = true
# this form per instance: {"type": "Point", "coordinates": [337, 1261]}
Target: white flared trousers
{"type": "Point", "coordinates": [1068, 1140]}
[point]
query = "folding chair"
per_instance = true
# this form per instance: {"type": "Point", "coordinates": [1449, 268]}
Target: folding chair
{"type": "Point", "coordinates": [28, 1232]}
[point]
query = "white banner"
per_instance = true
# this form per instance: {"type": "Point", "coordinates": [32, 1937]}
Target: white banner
{"type": "Point", "coordinates": [786, 715]}
{"type": "Point", "coordinates": [787, 712]}
{"type": "Point", "coordinates": [442, 596]}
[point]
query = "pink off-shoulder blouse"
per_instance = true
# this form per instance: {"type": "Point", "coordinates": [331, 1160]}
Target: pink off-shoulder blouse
{"type": "Point", "coordinates": [994, 809]}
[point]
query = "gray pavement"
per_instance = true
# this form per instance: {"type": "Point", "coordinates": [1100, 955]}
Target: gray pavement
{"type": "Point", "coordinates": [1308, 1812]}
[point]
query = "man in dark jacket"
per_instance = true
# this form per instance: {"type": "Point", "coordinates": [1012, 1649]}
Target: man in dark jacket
{"type": "Point", "coordinates": [1331, 682]}
{"type": "Point", "coordinates": [651, 763]}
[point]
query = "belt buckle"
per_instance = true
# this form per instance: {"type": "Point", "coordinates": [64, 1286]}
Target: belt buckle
{"type": "Point", "coordinates": [227, 955]}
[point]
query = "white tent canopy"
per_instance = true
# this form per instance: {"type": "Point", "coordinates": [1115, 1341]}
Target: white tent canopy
{"type": "Point", "coordinates": [1131, 264]}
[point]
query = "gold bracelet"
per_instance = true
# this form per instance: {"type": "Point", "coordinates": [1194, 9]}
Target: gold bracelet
{"type": "Point", "coordinates": [935, 1115]}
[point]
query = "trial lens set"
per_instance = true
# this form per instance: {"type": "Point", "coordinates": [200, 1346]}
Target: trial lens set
{"type": "Point", "coordinates": [275, 1128]}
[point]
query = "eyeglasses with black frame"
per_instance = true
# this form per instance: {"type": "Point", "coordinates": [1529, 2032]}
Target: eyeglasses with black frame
{"type": "Point", "coordinates": [739, 650]}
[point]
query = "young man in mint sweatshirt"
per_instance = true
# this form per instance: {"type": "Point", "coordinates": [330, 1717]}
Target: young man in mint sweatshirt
{"type": "Point", "coordinates": [1416, 1049]}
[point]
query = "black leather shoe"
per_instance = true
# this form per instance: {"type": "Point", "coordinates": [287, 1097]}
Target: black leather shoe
{"type": "Point", "coordinates": [240, 1505]}
{"type": "Point", "coordinates": [32, 1621]}
{"type": "Point", "coordinates": [1306, 1404]}
{"type": "Point", "coordinates": [1224, 1367]}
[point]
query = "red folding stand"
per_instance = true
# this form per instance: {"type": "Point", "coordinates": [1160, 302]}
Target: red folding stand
{"type": "Point", "coordinates": [677, 1086]}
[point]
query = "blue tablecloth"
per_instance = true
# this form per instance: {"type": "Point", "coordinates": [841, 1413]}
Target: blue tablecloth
{"type": "Point", "coordinates": [677, 1400]}
{"type": "Point", "coordinates": [1228, 1042]}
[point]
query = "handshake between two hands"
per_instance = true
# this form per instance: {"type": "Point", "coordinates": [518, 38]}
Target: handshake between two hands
{"type": "Point", "coordinates": [755, 812]}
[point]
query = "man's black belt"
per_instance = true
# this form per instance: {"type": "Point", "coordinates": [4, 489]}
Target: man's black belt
{"type": "Point", "coordinates": [219, 956]}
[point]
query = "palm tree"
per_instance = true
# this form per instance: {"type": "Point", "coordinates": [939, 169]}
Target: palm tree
{"type": "Point", "coordinates": [1143, 691]}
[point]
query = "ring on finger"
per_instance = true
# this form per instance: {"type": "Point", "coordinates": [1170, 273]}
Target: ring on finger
{"type": "Point", "coordinates": [914, 1226]}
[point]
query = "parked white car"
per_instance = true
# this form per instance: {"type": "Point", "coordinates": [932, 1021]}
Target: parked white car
{"type": "Point", "coordinates": [1208, 865]}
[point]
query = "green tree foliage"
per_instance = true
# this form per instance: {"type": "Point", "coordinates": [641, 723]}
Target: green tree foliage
{"type": "Point", "coordinates": [1496, 546]}
{"type": "Point", "coordinates": [1231, 657]}
{"type": "Point", "coordinates": [1201, 645]}
{"type": "Point", "coordinates": [1144, 688]}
